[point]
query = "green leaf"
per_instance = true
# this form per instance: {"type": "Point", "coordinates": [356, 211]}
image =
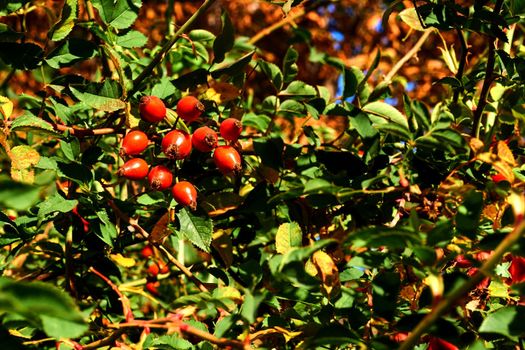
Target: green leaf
{"type": "Point", "coordinates": [132, 39]}
{"type": "Point", "coordinates": [288, 236]}
{"type": "Point", "coordinates": [352, 76]}
{"type": "Point", "coordinates": [16, 195]}
{"type": "Point", "coordinates": [68, 16]}
{"type": "Point", "coordinates": [198, 230]}
{"type": "Point", "coordinates": [108, 233]}
{"type": "Point", "coordinates": [387, 112]}
{"type": "Point", "coordinates": [101, 103]}
{"type": "Point", "coordinates": [201, 35]}
{"type": "Point", "coordinates": [292, 107]}
{"type": "Point", "coordinates": [44, 306]}
{"type": "Point", "coordinates": [170, 342]}
{"type": "Point", "coordinates": [257, 121]}
{"type": "Point", "coordinates": [120, 14]}
{"type": "Point", "coordinates": [298, 89]}
{"type": "Point", "coordinates": [55, 203]}
{"type": "Point", "coordinates": [273, 73]}
{"type": "Point", "coordinates": [70, 52]}
{"type": "Point", "coordinates": [374, 237]}
{"type": "Point", "coordinates": [163, 89]}
{"type": "Point", "coordinates": [507, 321]}
{"type": "Point", "coordinates": [24, 56]}
{"type": "Point", "coordinates": [224, 41]}
{"type": "Point", "coordinates": [290, 68]}
{"type": "Point", "coordinates": [32, 123]}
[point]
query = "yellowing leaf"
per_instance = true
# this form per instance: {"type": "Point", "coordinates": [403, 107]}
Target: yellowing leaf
{"type": "Point", "coordinates": [436, 285]}
{"type": "Point", "coordinates": [475, 144]}
{"type": "Point", "coordinates": [310, 268]}
{"type": "Point", "coordinates": [221, 92]}
{"type": "Point", "coordinates": [505, 154]}
{"type": "Point", "coordinates": [328, 273]}
{"type": "Point", "coordinates": [504, 169]}
{"type": "Point", "coordinates": [410, 17]}
{"type": "Point", "coordinates": [288, 235]}
{"type": "Point", "coordinates": [6, 107]}
{"type": "Point", "coordinates": [122, 260]}
{"type": "Point", "coordinates": [23, 158]}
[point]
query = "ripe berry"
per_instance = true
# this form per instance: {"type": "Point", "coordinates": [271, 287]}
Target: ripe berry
{"type": "Point", "coordinates": [185, 194]}
{"type": "Point", "coordinates": [176, 144]}
{"type": "Point", "coordinates": [204, 139]}
{"type": "Point", "coordinates": [134, 169]}
{"type": "Point", "coordinates": [153, 269]}
{"type": "Point", "coordinates": [189, 109]}
{"type": "Point", "coordinates": [147, 251]}
{"type": "Point", "coordinates": [160, 178]}
{"type": "Point", "coordinates": [436, 343]}
{"type": "Point", "coordinates": [231, 129]}
{"type": "Point", "coordinates": [463, 262]}
{"type": "Point", "coordinates": [152, 287]}
{"type": "Point", "coordinates": [228, 160]}
{"type": "Point", "coordinates": [163, 267]}
{"type": "Point", "coordinates": [498, 178]}
{"type": "Point", "coordinates": [517, 269]}
{"type": "Point", "coordinates": [135, 142]}
{"type": "Point", "coordinates": [152, 109]}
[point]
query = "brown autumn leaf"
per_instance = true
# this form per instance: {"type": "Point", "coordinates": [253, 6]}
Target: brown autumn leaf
{"type": "Point", "coordinates": [328, 273]}
{"type": "Point", "coordinates": [505, 154]}
{"type": "Point", "coordinates": [160, 230]}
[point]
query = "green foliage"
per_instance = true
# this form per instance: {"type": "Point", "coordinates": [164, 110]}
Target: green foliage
{"type": "Point", "coordinates": [325, 239]}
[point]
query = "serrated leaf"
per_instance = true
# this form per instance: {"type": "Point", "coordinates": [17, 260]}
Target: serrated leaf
{"type": "Point", "coordinates": [410, 17]}
{"type": "Point", "coordinates": [507, 321]}
{"type": "Point", "coordinates": [101, 103]}
{"type": "Point", "coordinates": [108, 231]}
{"type": "Point", "coordinates": [198, 230]}
{"type": "Point", "coordinates": [233, 68]}
{"type": "Point", "coordinates": [32, 123]}
{"type": "Point", "coordinates": [55, 203]}
{"type": "Point", "coordinates": [23, 159]}
{"type": "Point", "coordinates": [68, 16]}
{"type": "Point", "coordinates": [163, 89]}
{"type": "Point", "coordinates": [132, 39]}
{"type": "Point", "coordinates": [117, 13]}
{"type": "Point", "coordinates": [224, 41]}
{"type": "Point", "coordinates": [288, 236]}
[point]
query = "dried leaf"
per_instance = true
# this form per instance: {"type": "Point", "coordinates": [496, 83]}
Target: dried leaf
{"type": "Point", "coordinates": [23, 158]}
{"type": "Point", "coordinates": [328, 273]}
{"type": "Point", "coordinates": [476, 144]}
{"type": "Point", "coordinates": [505, 154]}
{"type": "Point", "coordinates": [160, 230]}
{"type": "Point", "coordinates": [121, 260]}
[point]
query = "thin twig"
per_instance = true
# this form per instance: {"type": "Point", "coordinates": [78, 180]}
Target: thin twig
{"type": "Point", "coordinates": [408, 56]}
{"type": "Point", "coordinates": [126, 305]}
{"type": "Point", "coordinates": [159, 246]}
{"type": "Point", "coordinates": [84, 132]}
{"type": "Point", "coordinates": [491, 60]}
{"type": "Point", "coordinates": [157, 59]}
{"type": "Point", "coordinates": [462, 62]}
{"type": "Point", "coordinates": [110, 339]}
{"type": "Point", "coordinates": [450, 300]}
{"type": "Point", "coordinates": [184, 328]}
{"type": "Point", "coordinates": [286, 20]}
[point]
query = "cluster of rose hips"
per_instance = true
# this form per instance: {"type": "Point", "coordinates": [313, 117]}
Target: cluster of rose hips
{"type": "Point", "coordinates": [177, 145]}
{"type": "Point", "coordinates": [154, 269]}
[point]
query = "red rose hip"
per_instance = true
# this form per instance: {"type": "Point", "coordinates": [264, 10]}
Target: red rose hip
{"type": "Point", "coordinates": [135, 142]}
{"type": "Point", "coordinates": [189, 109]}
{"type": "Point", "coordinates": [228, 160]}
{"type": "Point", "coordinates": [231, 129]}
{"type": "Point", "coordinates": [176, 144]}
{"type": "Point", "coordinates": [185, 194]}
{"type": "Point", "coordinates": [160, 178]}
{"type": "Point", "coordinates": [134, 169]}
{"type": "Point", "coordinates": [204, 139]}
{"type": "Point", "coordinates": [152, 109]}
